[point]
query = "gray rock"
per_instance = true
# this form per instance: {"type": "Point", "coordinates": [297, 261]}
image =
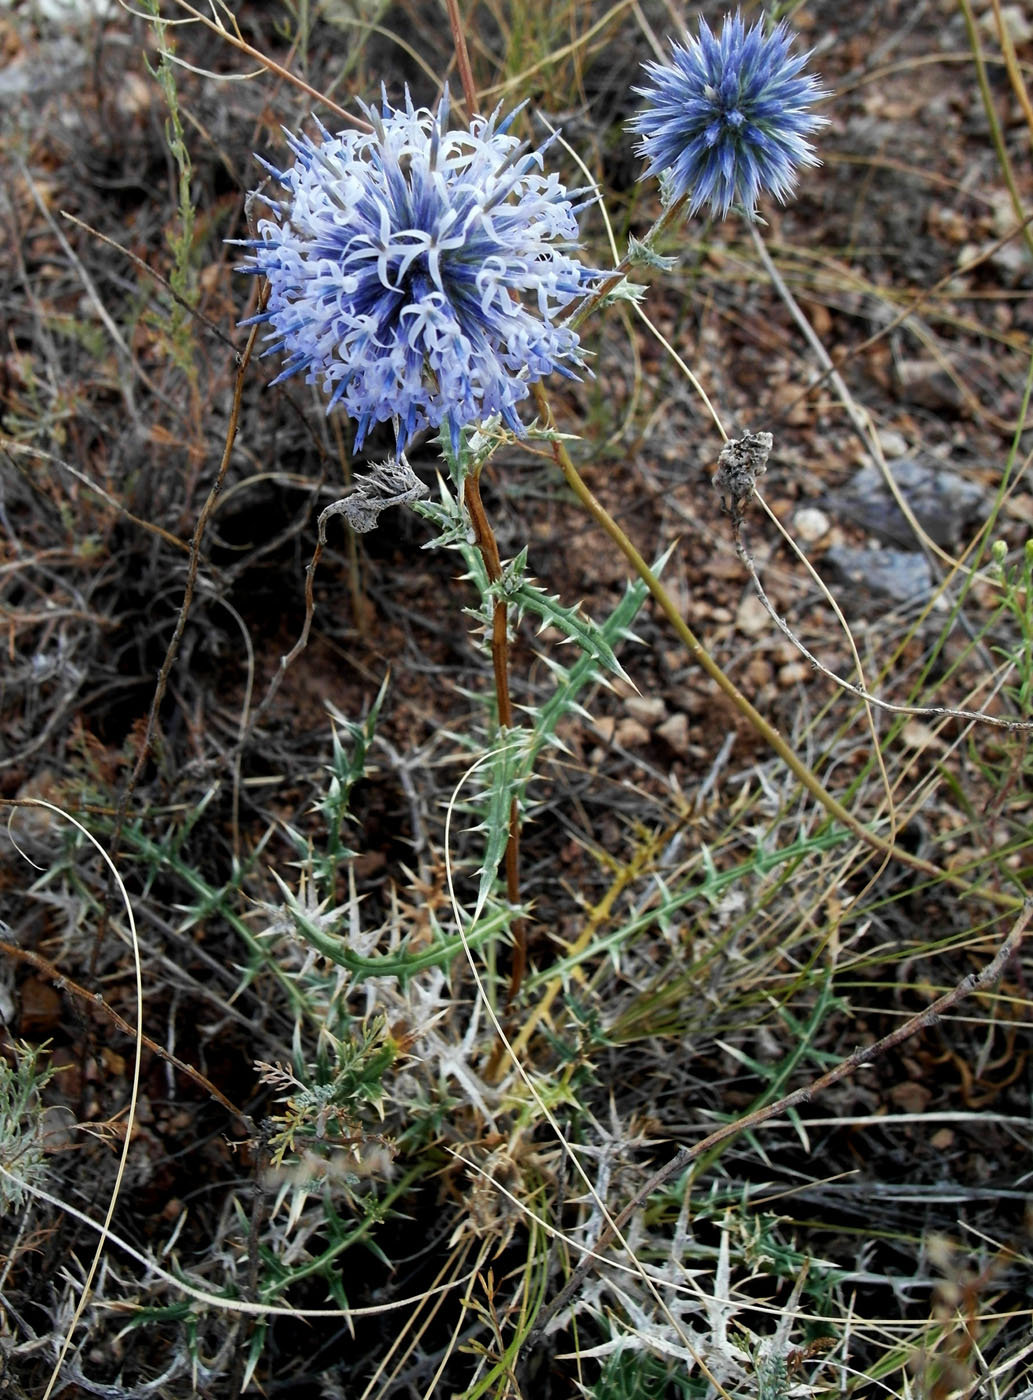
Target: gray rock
{"type": "Point", "coordinates": [894, 576]}
{"type": "Point", "coordinates": [943, 502]}
{"type": "Point", "coordinates": [54, 66]}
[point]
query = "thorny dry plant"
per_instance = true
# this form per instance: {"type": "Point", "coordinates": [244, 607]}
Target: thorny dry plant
{"type": "Point", "coordinates": [349, 1090]}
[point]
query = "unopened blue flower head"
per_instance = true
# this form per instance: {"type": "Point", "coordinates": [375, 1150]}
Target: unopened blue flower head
{"type": "Point", "coordinates": [419, 274]}
{"type": "Point", "coordinates": [730, 117]}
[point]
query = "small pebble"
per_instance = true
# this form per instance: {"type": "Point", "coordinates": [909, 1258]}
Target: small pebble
{"type": "Point", "coordinates": [758, 673]}
{"type": "Point", "coordinates": [893, 444]}
{"type": "Point", "coordinates": [675, 732]}
{"type": "Point", "coordinates": [751, 617]}
{"type": "Point", "coordinates": [919, 736]}
{"type": "Point", "coordinates": [1015, 20]}
{"type": "Point", "coordinates": [629, 734]}
{"type": "Point", "coordinates": [604, 726]}
{"type": "Point", "coordinates": [925, 382]}
{"type": "Point", "coordinates": [811, 524]}
{"type": "Point", "coordinates": [649, 710]}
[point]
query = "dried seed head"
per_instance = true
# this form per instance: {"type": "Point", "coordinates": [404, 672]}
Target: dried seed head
{"type": "Point", "coordinates": [741, 462]}
{"type": "Point", "coordinates": [390, 483]}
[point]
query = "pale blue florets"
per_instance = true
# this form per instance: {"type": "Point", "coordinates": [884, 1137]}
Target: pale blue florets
{"type": "Point", "coordinates": [419, 274]}
{"type": "Point", "coordinates": [730, 117]}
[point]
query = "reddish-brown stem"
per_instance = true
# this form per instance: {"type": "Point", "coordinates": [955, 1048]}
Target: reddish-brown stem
{"type": "Point", "coordinates": [455, 23]}
{"type": "Point", "coordinates": [484, 538]}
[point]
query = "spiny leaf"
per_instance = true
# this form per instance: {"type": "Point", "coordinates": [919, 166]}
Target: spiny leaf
{"type": "Point", "coordinates": [504, 773]}
{"type": "Point", "coordinates": [573, 623]}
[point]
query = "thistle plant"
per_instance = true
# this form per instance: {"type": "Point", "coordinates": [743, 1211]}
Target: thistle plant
{"type": "Point", "coordinates": [427, 278]}
{"type": "Point", "coordinates": [430, 1107]}
{"type": "Point", "coordinates": [22, 1156]}
{"type": "Point", "coordinates": [419, 273]}
{"type": "Point", "coordinates": [729, 117]}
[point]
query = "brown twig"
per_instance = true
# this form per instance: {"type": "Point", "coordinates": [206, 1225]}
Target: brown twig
{"type": "Point", "coordinates": [455, 22]}
{"type": "Point", "coordinates": [238, 42]}
{"type": "Point", "coordinates": [864, 1055]}
{"type": "Point", "coordinates": [64, 983]}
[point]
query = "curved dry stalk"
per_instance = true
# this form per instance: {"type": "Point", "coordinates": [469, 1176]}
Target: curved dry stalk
{"type": "Point", "coordinates": [220, 1301]}
{"type": "Point", "coordinates": [134, 1092]}
{"type": "Point", "coordinates": [807, 778]}
{"type": "Point", "coordinates": [237, 41]}
{"type": "Point", "coordinates": [25, 449]}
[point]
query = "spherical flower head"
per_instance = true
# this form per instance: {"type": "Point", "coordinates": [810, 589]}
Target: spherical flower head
{"type": "Point", "coordinates": [730, 117]}
{"type": "Point", "coordinates": [419, 274]}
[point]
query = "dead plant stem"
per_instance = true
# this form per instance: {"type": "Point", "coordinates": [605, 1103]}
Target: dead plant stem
{"type": "Point", "coordinates": [455, 24]}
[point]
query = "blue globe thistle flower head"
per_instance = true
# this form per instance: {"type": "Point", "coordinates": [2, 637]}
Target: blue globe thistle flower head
{"type": "Point", "coordinates": [730, 117]}
{"type": "Point", "coordinates": [419, 274]}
